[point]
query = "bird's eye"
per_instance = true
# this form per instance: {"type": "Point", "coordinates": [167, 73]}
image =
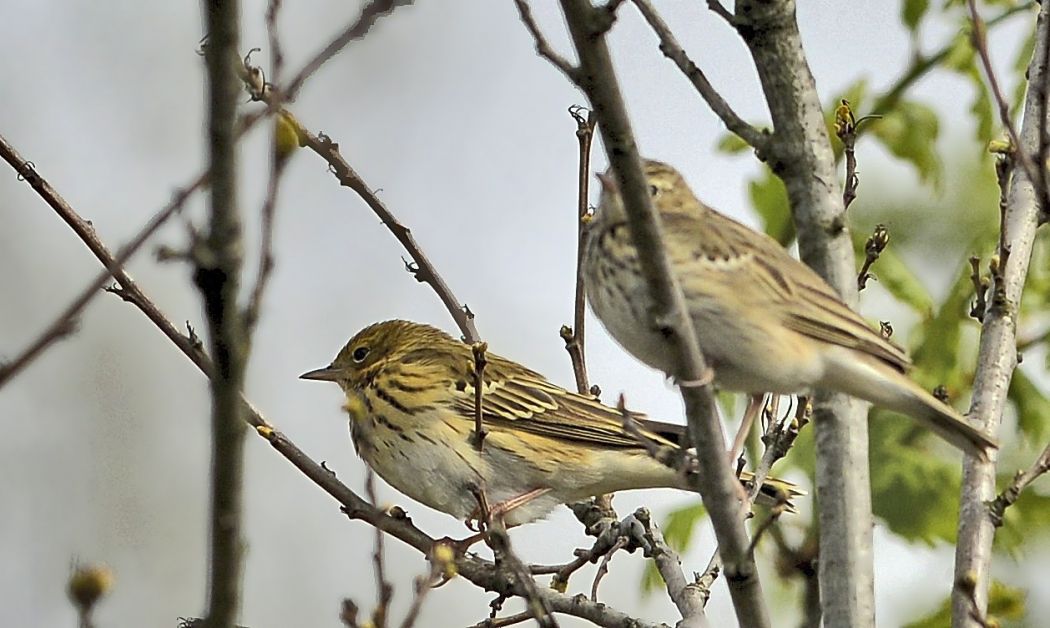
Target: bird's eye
{"type": "Point", "coordinates": [653, 191]}
{"type": "Point", "coordinates": [360, 354]}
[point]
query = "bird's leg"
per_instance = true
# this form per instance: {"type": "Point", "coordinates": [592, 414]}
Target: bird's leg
{"type": "Point", "coordinates": [754, 406]}
{"type": "Point", "coordinates": [506, 506]}
{"type": "Point", "coordinates": [483, 514]}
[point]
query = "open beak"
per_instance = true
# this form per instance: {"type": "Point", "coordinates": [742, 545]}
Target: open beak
{"type": "Point", "coordinates": [327, 374]}
{"type": "Point", "coordinates": [608, 182]}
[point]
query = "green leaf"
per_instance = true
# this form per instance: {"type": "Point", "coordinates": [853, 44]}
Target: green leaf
{"type": "Point", "coordinates": [769, 198]}
{"type": "Point", "coordinates": [912, 12]}
{"type": "Point", "coordinates": [1004, 602]}
{"type": "Point", "coordinates": [914, 493]}
{"type": "Point", "coordinates": [680, 525]}
{"type": "Point", "coordinates": [910, 132]}
{"type": "Point", "coordinates": [1033, 408]}
{"type": "Point", "coordinates": [731, 143]}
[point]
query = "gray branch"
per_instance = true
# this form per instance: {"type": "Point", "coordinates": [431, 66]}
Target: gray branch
{"type": "Point", "coordinates": [715, 481]}
{"type": "Point", "coordinates": [800, 153]}
{"type": "Point", "coordinates": [218, 258]}
{"type": "Point", "coordinates": [997, 357]}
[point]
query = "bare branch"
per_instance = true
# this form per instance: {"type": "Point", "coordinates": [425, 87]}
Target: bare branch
{"type": "Point", "coordinates": [543, 47]}
{"type": "Point", "coordinates": [997, 355]}
{"type": "Point", "coordinates": [217, 275]}
{"type": "Point", "coordinates": [673, 50]}
{"type": "Point", "coordinates": [1021, 480]}
{"type": "Point", "coordinates": [575, 336]}
{"type": "Point", "coordinates": [370, 14]}
{"type": "Point", "coordinates": [478, 349]}
{"type": "Point", "coordinates": [714, 481]}
{"type": "Point", "coordinates": [800, 154]}
{"type": "Point", "coordinates": [1023, 155]}
{"type": "Point", "coordinates": [66, 320]}
{"type": "Point", "coordinates": [423, 270]}
{"type": "Point", "coordinates": [873, 248]}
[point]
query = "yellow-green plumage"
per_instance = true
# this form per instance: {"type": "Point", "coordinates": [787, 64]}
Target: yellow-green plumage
{"type": "Point", "coordinates": [410, 396]}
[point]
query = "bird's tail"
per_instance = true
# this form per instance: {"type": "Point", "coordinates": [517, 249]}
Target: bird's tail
{"type": "Point", "coordinates": [881, 384]}
{"type": "Point", "coordinates": [774, 491]}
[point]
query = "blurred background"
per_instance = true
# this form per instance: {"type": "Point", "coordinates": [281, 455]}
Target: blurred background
{"type": "Point", "coordinates": [446, 109]}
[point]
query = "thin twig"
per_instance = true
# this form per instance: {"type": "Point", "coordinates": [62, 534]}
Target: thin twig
{"type": "Point", "coordinates": [421, 268]}
{"type": "Point", "coordinates": [543, 47]}
{"type": "Point", "coordinates": [1021, 480]}
{"type": "Point", "coordinates": [873, 248]}
{"type": "Point", "coordinates": [384, 590]}
{"type": "Point", "coordinates": [478, 349]}
{"type": "Point", "coordinates": [501, 622]}
{"type": "Point", "coordinates": [64, 323]}
{"type": "Point", "coordinates": [574, 336]}
{"type": "Point", "coordinates": [499, 541]}
{"type": "Point", "coordinates": [370, 14]}
{"type": "Point", "coordinates": [980, 44]}
{"type": "Point", "coordinates": [671, 49]}
{"type": "Point", "coordinates": [603, 566]}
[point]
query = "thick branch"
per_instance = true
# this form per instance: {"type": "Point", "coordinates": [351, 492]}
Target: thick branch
{"type": "Point", "coordinates": [715, 481]}
{"type": "Point", "coordinates": [218, 267]}
{"type": "Point", "coordinates": [800, 153]}
{"type": "Point", "coordinates": [997, 357]}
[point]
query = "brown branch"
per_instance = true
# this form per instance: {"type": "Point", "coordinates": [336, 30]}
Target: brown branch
{"type": "Point", "coordinates": [66, 320]}
{"type": "Point", "coordinates": [980, 43]}
{"type": "Point", "coordinates": [218, 267]}
{"type": "Point", "coordinates": [422, 269]}
{"type": "Point", "coordinates": [370, 14]}
{"type": "Point", "coordinates": [543, 47]}
{"type": "Point", "coordinates": [873, 248]}
{"type": "Point", "coordinates": [482, 573]}
{"type": "Point", "coordinates": [778, 439]}
{"type": "Point", "coordinates": [997, 354]}
{"type": "Point", "coordinates": [800, 153]}
{"type": "Point", "coordinates": [384, 590]}
{"type": "Point", "coordinates": [1021, 480]}
{"type": "Point", "coordinates": [671, 49]}
{"type": "Point", "coordinates": [478, 349]}
{"type": "Point", "coordinates": [574, 336]}
{"type": "Point", "coordinates": [686, 596]}
{"type": "Point", "coordinates": [714, 481]}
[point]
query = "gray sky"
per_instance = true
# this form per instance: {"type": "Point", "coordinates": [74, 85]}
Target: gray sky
{"type": "Point", "coordinates": [446, 108]}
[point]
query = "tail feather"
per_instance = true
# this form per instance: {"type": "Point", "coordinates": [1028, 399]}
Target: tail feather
{"type": "Point", "coordinates": [774, 491]}
{"type": "Point", "coordinates": [879, 383]}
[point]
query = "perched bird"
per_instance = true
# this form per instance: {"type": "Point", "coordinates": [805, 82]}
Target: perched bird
{"type": "Point", "coordinates": [410, 396]}
{"type": "Point", "coordinates": [764, 321]}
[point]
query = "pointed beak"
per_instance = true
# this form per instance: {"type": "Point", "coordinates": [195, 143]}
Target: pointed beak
{"type": "Point", "coordinates": [327, 374]}
{"type": "Point", "coordinates": [608, 182]}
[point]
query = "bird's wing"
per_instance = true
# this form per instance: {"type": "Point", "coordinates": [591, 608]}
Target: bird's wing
{"type": "Point", "coordinates": [752, 263]}
{"type": "Point", "coordinates": [523, 400]}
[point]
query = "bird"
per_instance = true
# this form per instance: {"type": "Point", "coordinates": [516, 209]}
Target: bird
{"type": "Point", "coordinates": [409, 391]}
{"type": "Point", "coordinates": [765, 322]}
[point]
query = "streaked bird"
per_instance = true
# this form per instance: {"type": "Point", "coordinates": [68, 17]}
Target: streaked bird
{"type": "Point", "coordinates": [766, 322]}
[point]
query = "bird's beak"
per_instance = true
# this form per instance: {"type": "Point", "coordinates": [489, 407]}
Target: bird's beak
{"type": "Point", "coordinates": [608, 182]}
{"type": "Point", "coordinates": [327, 374]}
